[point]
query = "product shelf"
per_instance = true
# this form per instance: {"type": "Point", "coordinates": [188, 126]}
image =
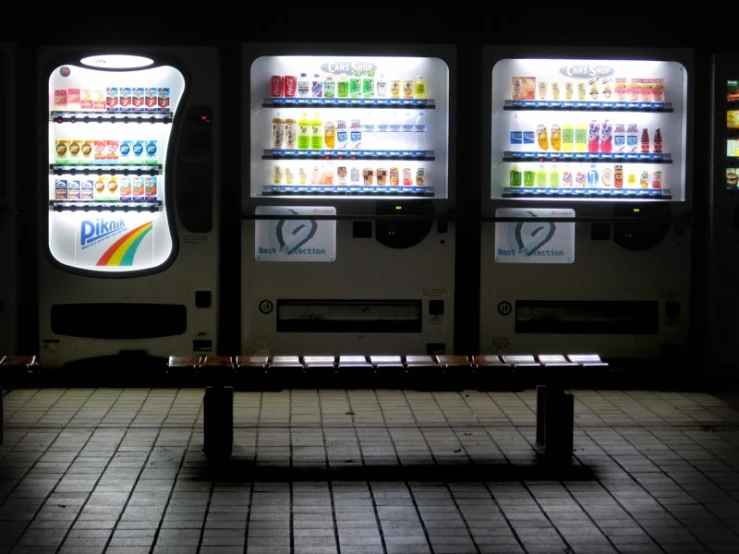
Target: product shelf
{"type": "Point", "coordinates": [626, 157]}
{"type": "Point", "coordinates": [106, 169]}
{"type": "Point", "coordinates": [573, 105]}
{"type": "Point", "coordinates": [585, 192]}
{"type": "Point", "coordinates": [104, 206]}
{"type": "Point", "coordinates": [348, 154]}
{"type": "Point", "coordinates": [406, 103]}
{"type": "Point", "coordinates": [111, 117]}
{"type": "Point", "coordinates": [340, 190]}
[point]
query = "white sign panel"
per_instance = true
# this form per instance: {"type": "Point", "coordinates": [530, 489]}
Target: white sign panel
{"type": "Point", "coordinates": [110, 241]}
{"type": "Point", "coordinates": [534, 242]}
{"type": "Point", "coordinates": [295, 240]}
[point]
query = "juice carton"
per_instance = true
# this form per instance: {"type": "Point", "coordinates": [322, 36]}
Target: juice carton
{"type": "Point", "coordinates": [150, 187]}
{"type": "Point", "coordinates": [100, 155]}
{"type": "Point", "coordinates": [98, 100]}
{"type": "Point", "coordinates": [73, 189]}
{"type": "Point", "coordinates": [111, 99]}
{"type": "Point", "coordinates": [163, 99]}
{"type": "Point", "coordinates": [75, 151]}
{"type": "Point", "coordinates": [137, 187]}
{"type": "Point", "coordinates": [86, 148]}
{"type": "Point", "coordinates": [124, 99]}
{"type": "Point", "coordinates": [60, 99]}
{"type": "Point", "coordinates": [60, 189]}
{"type": "Point", "coordinates": [125, 152]}
{"type": "Point", "coordinates": [86, 188]}
{"type": "Point", "coordinates": [124, 185]}
{"type": "Point", "coordinates": [111, 150]}
{"type": "Point", "coordinates": [85, 99]}
{"type": "Point", "coordinates": [62, 151]}
{"type": "Point", "coordinates": [73, 99]}
{"type": "Point", "coordinates": [139, 151]}
{"type": "Point", "coordinates": [137, 99]}
{"type": "Point", "coordinates": [150, 99]}
{"type": "Point", "coordinates": [152, 154]}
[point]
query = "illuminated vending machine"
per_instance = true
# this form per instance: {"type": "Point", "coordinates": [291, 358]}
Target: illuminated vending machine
{"type": "Point", "coordinates": [129, 230]}
{"type": "Point", "coordinates": [586, 238]}
{"type": "Point", "coordinates": [347, 238]}
{"type": "Point", "coordinates": [723, 301]}
{"type": "Point", "coordinates": [8, 206]}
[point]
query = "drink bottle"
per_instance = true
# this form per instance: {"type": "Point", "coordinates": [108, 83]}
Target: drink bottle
{"type": "Point", "coordinates": [329, 134]}
{"type": "Point", "coordinates": [381, 85]}
{"type": "Point", "coordinates": [644, 140]}
{"type": "Point", "coordinates": [368, 84]}
{"type": "Point", "coordinates": [515, 177]}
{"type": "Point", "coordinates": [556, 137]}
{"type": "Point", "coordinates": [329, 87]}
{"type": "Point", "coordinates": [529, 178]}
{"type": "Point", "coordinates": [304, 132]}
{"type": "Point", "coordinates": [554, 176]}
{"type": "Point", "coordinates": [303, 86]}
{"type": "Point", "coordinates": [593, 178]}
{"type": "Point", "coordinates": [594, 136]}
{"type": "Point", "coordinates": [568, 137]}
{"type": "Point", "coordinates": [419, 90]}
{"type": "Point", "coordinates": [355, 84]}
{"type": "Point", "coordinates": [343, 86]}
{"type": "Point", "coordinates": [317, 86]}
{"type": "Point", "coordinates": [316, 135]}
{"type": "Point", "coordinates": [541, 176]}
{"type": "Point", "coordinates": [606, 136]}
{"type": "Point", "coordinates": [342, 134]}
{"type": "Point", "coordinates": [419, 131]}
{"type": "Point", "coordinates": [581, 137]}
{"type": "Point", "coordinates": [541, 136]}
{"type": "Point", "coordinates": [658, 140]}
{"type": "Point", "coordinates": [291, 133]}
{"type": "Point", "coordinates": [277, 131]}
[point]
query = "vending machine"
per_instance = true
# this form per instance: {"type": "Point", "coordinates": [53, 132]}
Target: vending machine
{"type": "Point", "coordinates": [8, 205]}
{"type": "Point", "coordinates": [586, 202]}
{"type": "Point", "coordinates": [348, 240]}
{"type": "Point", "coordinates": [129, 180]}
{"type": "Point", "coordinates": [723, 270]}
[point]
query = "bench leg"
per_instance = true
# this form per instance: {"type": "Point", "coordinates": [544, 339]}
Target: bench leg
{"type": "Point", "coordinates": [218, 422]}
{"type": "Point", "coordinates": [560, 424]}
{"type": "Point", "coordinates": [541, 414]}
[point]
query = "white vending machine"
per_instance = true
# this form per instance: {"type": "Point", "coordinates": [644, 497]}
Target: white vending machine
{"type": "Point", "coordinates": [587, 202]}
{"type": "Point", "coordinates": [129, 214]}
{"type": "Point", "coordinates": [9, 270]}
{"type": "Point", "coordinates": [348, 241]}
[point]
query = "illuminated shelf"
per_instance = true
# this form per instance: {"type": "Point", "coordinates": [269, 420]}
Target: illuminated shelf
{"type": "Point", "coordinates": [348, 103]}
{"type": "Point", "coordinates": [100, 169]}
{"type": "Point", "coordinates": [336, 190]}
{"type": "Point", "coordinates": [574, 105]}
{"type": "Point", "coordinates": [584, 192]}
{"type": "Point", "coordinates": [111, 117]}
{"type": "Point", "coordinates": [101, 206]}
{"type": "Point", "coordinates": [348, 154]}
{"type": "Point", "coordinates": [628, 157]}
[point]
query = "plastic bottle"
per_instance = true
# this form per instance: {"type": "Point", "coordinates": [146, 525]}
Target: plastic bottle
{"type": "Point", "coordinates": [381, 86]}
{"type": "Point", "coordinates": [395, 124]}
{"type": "Point", "coordinates": [515, 135]}
{"type": "Point", "coordinates": [541, 176]}
{"type": "Point", "coordinates": [316, 87]}
{"type": "Point", "coordinates": [291, 133]}
{"type": "Point", "coordinates": [593, 178]}
{"type": "Point", "coordinates": [658, 140]}
{"type": "Point", "coordinates": [644, 140]}
{"type": "Point", "coordinates": [581, 176]}
{"type": "Point", "coordinates": [407, 132]}
{"type": "Point", "coordinates": [581, 137]}
{"type": "Point", "coordinates": [369, 134]}
{"type": "Point", "coordinates": [342, 134]}
{"type": "Point", "coordinates": [554, 176]}
{"type": "Point", "coordinates": [382, 130]}
{"type": "Point", "coordinates": [278, 131]}
{"type": "Point", "coordinates": [594, 136]}
{"type": "Point", "coordinates": [515, 177]}
{"type": "Point", "coordinates": [568, 137]}
{"type": "Point", "coordinates": [420, 88]}
{"type": "Point", "coordinates": [343, 86]}
{"type": "Point", "coordinates": [329, 87]}
{"type": "Point", "coordinates": [419, 131]}
{"type": "Point", "coordinates": [529, 177]}
{"type": "Point", "coordinates": [304, 132]}
{"type": "Point", "coordinates": [316, 135]}
{"type": "Point", "coordinates": [355, 134]}
{"type": "Point", "coordinates": [368, 84]}
{"type": "Point", "coordinates": [329, 134]}
{"type": "Point", "coordinates": [304, 86]}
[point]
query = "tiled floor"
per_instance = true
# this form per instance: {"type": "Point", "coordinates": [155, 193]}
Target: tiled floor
{"type": "Point", "coordinates": [362, 471]}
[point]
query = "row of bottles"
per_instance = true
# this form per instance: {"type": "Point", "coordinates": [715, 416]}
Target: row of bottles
{"type": "Point", "coordinates": [397, 131]}
{"type": "Point", "coordinates": [357, 85]}
{"type": "Point", "coordinates": [566, 176]}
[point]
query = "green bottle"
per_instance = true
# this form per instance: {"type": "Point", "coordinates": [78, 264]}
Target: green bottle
{"type": "Point", "coordinates": [541, 176]}
{"type": "Point", "coordinates": [515, 178]}
{"type": "Point", "coordinates": [529, 178]}
{"type": "Point", "coordinates": [343, 86]}
{"type": "Point", "coordinates": [355, 85]}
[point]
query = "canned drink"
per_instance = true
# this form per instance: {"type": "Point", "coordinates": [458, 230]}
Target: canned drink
{"type": "Point", "coordinates": [277, 175]}
{"type": "Point", "coordinates": [644, 179]}
{"type": "Point", "coordinates": [355, 175]}
{"type": "Point", "coordinates": [369, 176]}
{"type": "Point", "coordinates": [289, 177]}
{"type": "Point", "coordinates": [277, 84]}
{"type": "Point", "coordinates": [569, 90]}
{"type": "Point", "coordinates": [341, 174]}
{"type": "Point", "coordinates": [381, 176]}
{"type": "Point", "coordinates": [394, 176]}
{"type": "Point", "coordinates": [581, 91]}
{"type": "Point", "coordinates": [421, 177]}
{"type": "Point", "coordinates": [631, 180]}
{"type": "Point", "coordinates": [618, 176]}
{"type": "Point", "coordinates": [555, 90]}
{"type": "Point", "coordinates": [290, 85]}
{"type": "Point", "coordinates": [395, 89]}
{"type": "Point", "coordinates": [657, 179]}
{"type": "Point", "coordinates": [302, 176]}
{"type": "Point", "coordinates": [407, 176]}
{"type": "Point", "coordinates": [408, 88]}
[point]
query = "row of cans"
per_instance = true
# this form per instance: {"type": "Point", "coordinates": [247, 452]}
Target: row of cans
{"type": "Point", "coordinates": [113, 99]}
{"type": "Point", "coordinates": [343, 175]}
{"type": "Point", "coordinates": [137, 151]}
{"type": "Point", "coordinates": [123, 188]}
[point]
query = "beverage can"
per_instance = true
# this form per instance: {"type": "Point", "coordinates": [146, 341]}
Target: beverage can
{"type": "Point", "coordinates": [515, 177]}
{"type": "Point", "coordinates": [137, 99]}
{"type": "Point", "coordinates": [62, 150]}
{"type": "Point", "coordinates": [606, 136]}
{"type": "Point", "coordinates": [277, 174]}
{"type": "Point", "coordinates": [657, 179]}
{"type": "Point", "coordinates": [644, 179]}
{"type": "Point", "coordinates": [60, 189]}
{"type": "Point", "coordinates": [581, 91]}
{"type": "Point", "coordinates": [342, 173]}
{"type": "Point", "coordinates": [569, 90]}
{"type": "Point", "coordinates": [407, 176]}
{"type": "Point", "coordinates": [421, 177]}
{"type": "Point", "coordinates": [354, 173]}
{"type": "Point", "coordinates": [594, 136]}
{"type": "Point", "coordinates": [594, 87]}
{"type": "Point", "coordinates": [555, 91]}
{"type": "Point", "coordinates": [151, 100]}
{"type": "Point", "coordinates": [111, 99]}
{"type": "Point", "coordinates": [381, 176]}
{"type": "Point", "coordinates": [73, 189]}
{"type": "Point", "coordinates": [408, 88]}
{"type": "Point", "coordinates": [618, 176]}
{"type": "Point", "coordinates": [343, 86]}
{"type": "Point", "coordinates": [529, 177]}
{"type": "Point", "coordinates": [290, 85]}
{"type": "Point", "coordinates": [289, 176]}
{"type": "Point", "coordinates": [566, 177]}
{"type": "Point", "coordinates": [276, 86]}
{"type": "Point", "coordinates": [543, 90]}
{"type": "Point", "coordinates": [395, 88]}
{"type": "Point", "coordinates": [394, 176]}
{"type": "Point", "coordinates": [368, 176]}
{"type": "Point", "coordinates": [303, 86]}
{"type": "Point", "coordinates": [606, 178]}
{"type": "Point", "coordinates": [302, 175]}
{"type": "Point", "coordinates": [541, 136]}
{"type": "Point", "coordinates": [631, 180]}
{"type": "Point", "coordinates": [75, 147]}
{"type": "Point", "coordinates": [516, 88]}
{"type": "Point", "coordinates": [580, 178]}
{"type": "Point", "coordinates": [556, 137]}
{"type": "Point", "coordinates": [163, 98]}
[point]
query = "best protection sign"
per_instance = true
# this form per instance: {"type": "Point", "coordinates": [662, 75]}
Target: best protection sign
{"type": "Point", "coordinates": [528, 241]}
{"type": "Point", "coordinates": [299, 237]}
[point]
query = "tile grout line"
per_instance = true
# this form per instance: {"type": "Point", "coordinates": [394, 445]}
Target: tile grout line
{"type": "Point", "coordinates": [329, 481]}
{"type": "Point", "coordinates": [253, 465]}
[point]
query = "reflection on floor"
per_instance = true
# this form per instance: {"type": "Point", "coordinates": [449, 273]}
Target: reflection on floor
{"type": "Point", "coordinates": [366, 471]}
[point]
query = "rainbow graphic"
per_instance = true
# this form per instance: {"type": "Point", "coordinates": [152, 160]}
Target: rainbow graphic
{"type": "Point", "coordinates": [124, 249]}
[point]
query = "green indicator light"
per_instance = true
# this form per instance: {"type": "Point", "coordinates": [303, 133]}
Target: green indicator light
{"type": "Point", "coordinates": [637, 210]}
{"type": "Point", "coordinates": [398, 207]}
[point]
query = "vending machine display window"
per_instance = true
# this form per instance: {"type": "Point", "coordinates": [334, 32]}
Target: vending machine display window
{"type": "Point", "coordinates": [356, 127]}
{"type": "Point", "coordinates": [588, 129]}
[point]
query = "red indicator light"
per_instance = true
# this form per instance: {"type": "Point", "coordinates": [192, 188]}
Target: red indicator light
{"type": "Point", "coordinates": [204, 118]}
